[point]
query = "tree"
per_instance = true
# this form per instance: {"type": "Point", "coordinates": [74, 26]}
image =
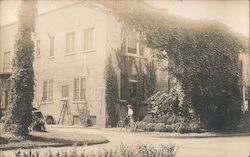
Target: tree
{"type": "Point", "coordinates": [204, 56]}
{"type": "Point", "coordinates": [19, 114]}
{"type": "Point", "coordinates": [111, 93]}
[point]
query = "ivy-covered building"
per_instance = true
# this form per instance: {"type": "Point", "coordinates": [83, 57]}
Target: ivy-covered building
{"type": "Point", "coordinates": [86, 57]}
{"type": "Point", "coordinates": [73, 46]}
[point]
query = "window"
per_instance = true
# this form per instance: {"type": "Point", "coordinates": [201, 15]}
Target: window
{"type": "Point", "coordinates": [79, 89]}
{"type": "Point", "coordinates": [133, 47]}
{"type": "Point", "coordinates": [65, 91]}
{"type": "Point", "coordinates": [51, 47]}
{"type": "Point", "coordinates": [141, 49]}
{"type": "Point", "coordinates": [76, 89]}
{"type": "Point", "coordinates": [83, 89]}
{"type": "Point", "coordinates": [132, 43]}
{"type": "Point", "coordinates": [4, 93]}
{"type": "Point", "coordinates": [123, 90]}
{"type": "Point", "coordinates": [88, 39]}
{"type": "Point", "coordinates": [38, 47]}
{"type": "Point", "coordinates": [50, 95]}
{"type": "Point", "coordinates": [6, 61]}
{"type": "Point", "coordinates": [70, 41]}
{"type": "Point", "coordinates": [47, 91]}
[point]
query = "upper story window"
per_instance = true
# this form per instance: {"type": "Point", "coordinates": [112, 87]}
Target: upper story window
{"type": "Point", "coordinates": [38, 47]}
{"type": "Point", "coordinates": [51, 46]}
{"type": "Point", "coordinates": [132, 42]}
{"type": "Point", "coordinates": [88, 39]}
{"type": "Point", "coordinates": [79, 89]}
{"type": "Point", "coordinates": [47, 94]}
{"type": "Point", "coordinates": [6, 61]}
{"type": "Point", "coordinates": [70, 42]}
{"type": "Point", "coordinates": [133, 47]}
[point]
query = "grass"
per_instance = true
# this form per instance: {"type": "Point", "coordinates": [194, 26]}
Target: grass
{"type": "Point", "coordinates": [53, 139]}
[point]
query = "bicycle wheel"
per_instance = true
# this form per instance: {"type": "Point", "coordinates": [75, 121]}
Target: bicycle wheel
{"type": "Point", "coordinates": [120, 124]}
{"type": "Point", "coordinates": [132, 126]}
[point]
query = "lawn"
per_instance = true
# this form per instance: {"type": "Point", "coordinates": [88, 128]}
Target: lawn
{"type": "Point", "coordinates": [53, 139]}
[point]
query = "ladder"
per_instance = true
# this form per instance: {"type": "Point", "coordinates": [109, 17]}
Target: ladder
{"type": "Point", "coordinates": [62, 114]}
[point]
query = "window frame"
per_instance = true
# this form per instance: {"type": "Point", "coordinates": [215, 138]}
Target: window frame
{"type": "Point", "coordinates": [6, 62]}
{"type": "Point", "coordinates": [140, 48]}
{"type": "Point", "coordinates": [47, 95]}
{"type": "Point", "coordinates": [80, 90]}
{"type": "Point", "coordinates": [83, 89]}
{"type": "Point", "coordinates": [70, 43]}
{"type": "Point", "coordinates": [88, 35]}
{"type": "Point", "coordinates": [76, 89]}
{"type": "Point", "coordinates": [52, 47]}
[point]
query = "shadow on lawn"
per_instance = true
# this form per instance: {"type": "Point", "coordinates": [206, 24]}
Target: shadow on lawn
{"type": "Point", "coordinates": [52, 140]}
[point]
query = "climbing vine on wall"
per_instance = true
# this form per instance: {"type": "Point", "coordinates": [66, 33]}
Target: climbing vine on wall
{"type": "Point", "coordinates": [111, 93]}
{"type": "Point", "coordinates": [204, 55]}
{"type": "Point", "coordinates": [145, 75]}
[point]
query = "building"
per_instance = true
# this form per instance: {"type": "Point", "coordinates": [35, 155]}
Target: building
{"type": "Point", "coordinates": [73, 44]}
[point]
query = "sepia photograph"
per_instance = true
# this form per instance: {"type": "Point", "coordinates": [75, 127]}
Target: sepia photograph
{"type": "Point", "coordinates": [124, 78]}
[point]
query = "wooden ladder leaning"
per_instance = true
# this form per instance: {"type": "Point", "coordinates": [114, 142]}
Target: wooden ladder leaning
{"type": "Point", "coordinates": [62, 114]}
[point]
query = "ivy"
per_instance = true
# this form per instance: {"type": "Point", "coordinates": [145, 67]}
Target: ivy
{"type": "Point", "coordinates": [111, 93]}
{"type": "Point", "coordinates": [204, 55]}
{"type": "Point", "coordinates": [146, 79]}
{"type": "Point", "coordinates": [19, 115]}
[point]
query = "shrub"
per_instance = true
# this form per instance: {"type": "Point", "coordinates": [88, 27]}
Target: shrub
{"type": "Point", "coordinates": [142, 150]}
{"type": "Point", "coordinates": [149, 118]}
{"type": "Point", "coordinates": [160, 127]}
{"type": "Point", "coordinates": [150, 127]}
{"type": "Point", "coordinates": [195, 127]}
{"type": "Point", "coordinates": [169, 128]}
{"type": "Point", "coordinates": [141, 125]}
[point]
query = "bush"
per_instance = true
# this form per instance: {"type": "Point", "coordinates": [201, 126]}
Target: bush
{"type": "Point", "coordinates": [160, 127]}
{"type": "Point", "coordinates": [180, 127]}
{"type": "Point", "coordinates": [169, 128]}
{"type": "Point", "coordinates": [124, 151]}
{"type": "Point", "coordinates": [163, 119]}
{"type": "Point", "coordinates": [141, 125]}
{"type": "Point", "coordinates": [149, 118]}
{"type": "Point", "coordinates": [195, 127]}
{"type": "Point", "coordinates": [150, 127]}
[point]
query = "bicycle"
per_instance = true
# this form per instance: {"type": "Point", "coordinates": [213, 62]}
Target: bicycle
{"type": "Point", "coordinates": [130, 125]}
